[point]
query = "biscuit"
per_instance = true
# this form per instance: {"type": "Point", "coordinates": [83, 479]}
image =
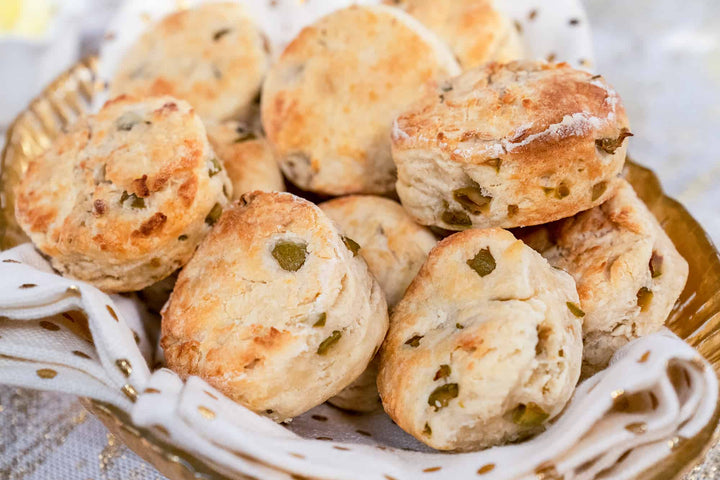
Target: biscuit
{"type": "Point", "coordinates": [274, 309]}
{"type": "Point", "coordinates": [483, 349]}
{"type": "Point", "coordinates": [510, 145]}
{"type": "Point", "coordinates": [392, 244]}
{"type": "Point", "coordinates": [628, 272]}
{"type": "Point", "coordinates": [247, 157]}
{"type": "Point", "coordinates": [212, 56]}
{"type": "Point", "coordinates": [394, 248]}
{"type": "Point", "coordinates": [361, 395]}
{"type": "Point", "coordinates": [329, 102]}
{"type": "Point", "coordinates": [476, 31]}
{"type": "Point", "coordinates": [122, 199]}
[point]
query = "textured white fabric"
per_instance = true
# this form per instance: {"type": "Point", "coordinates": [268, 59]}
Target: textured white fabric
{"type": "Point", "coordinates": [39, 348]}
{"type": "Point", "coordinates": [33, 300]}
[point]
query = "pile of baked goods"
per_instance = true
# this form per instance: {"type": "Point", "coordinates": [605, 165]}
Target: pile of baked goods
{"type": "Point", "coordinates": [516, 261]}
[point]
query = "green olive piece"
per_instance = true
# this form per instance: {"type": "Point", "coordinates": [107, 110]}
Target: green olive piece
{"type": "Point", "coordinates": [414, 341]}
{"type": "Point", "coordinates": [530, 415]}
{"type": "Point", "coordinates": [443, 372]}
{"type": "Point", "coordinates": [656, 265]}
{"type": "Point", "coordinates": [483, 263]}
{"type": "Point", "coordinates": [214, 214]}
{"type": "Point", "coordinates": [575, 309]}
{"type": "Point", "coordinates": [548, 191]}
{"type": "Point", "coordinates": [562, 191]}
{"type": "Point", "coordinates": [320, 321]}
{"type": "Point", "coordinates": [459, 326]}
{"type": "Point", "coordinates": [427, 431]}
{"type": "Point", "coordinates": [441, 396]}
{"type": "Point", "coordinates": [245, 136]}
{"type": "Point", "coordinates": [215, 168]}
{"type": "Point", "coordinates": [460, 219]}
{"type": "Point", "coordinates": [644, 298]}
{"type": "Point", "coordinates": [472, 200]}
{"type": "Point", "coordinates": [135, 201]}
{"type": "Point", "coordinates": [221, 33]}
{"type": "Point", "coordinates": [290, 255]}
{"type": "Point", "coordinates": [127, 121]}
{"type": "Point", "coordinates": [351, 245]}
{"type": "Point", "coordinates": [329, 342]}
{"type": "Point", "coordinates": [610, 145]}
{"type": "Point", "coordinates": [598, 190]}
{"type": "Point", "coordinates": [182, 238]}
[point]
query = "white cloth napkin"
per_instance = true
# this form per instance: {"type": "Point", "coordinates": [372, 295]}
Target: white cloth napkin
{"type": "Point", "coordinates": [656, 391]}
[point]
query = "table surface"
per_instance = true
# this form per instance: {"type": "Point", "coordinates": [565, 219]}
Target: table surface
{"type": "Point", "coordinates": [663, 56]}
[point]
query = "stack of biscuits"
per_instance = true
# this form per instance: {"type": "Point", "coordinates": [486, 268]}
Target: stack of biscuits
{"type": "Point", "coordinates": [482, 255]}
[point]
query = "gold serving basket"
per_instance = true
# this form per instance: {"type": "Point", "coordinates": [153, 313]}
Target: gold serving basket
{"type": "Point", "coordinates": [696, 317]}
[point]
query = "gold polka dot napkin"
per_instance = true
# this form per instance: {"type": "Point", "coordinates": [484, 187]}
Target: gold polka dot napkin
{"type": "Point", "coordinates": [64, 335]}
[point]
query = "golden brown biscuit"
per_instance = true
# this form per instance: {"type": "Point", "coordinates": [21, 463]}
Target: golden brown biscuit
{"type": "Point", "coordinates": [476, 31]}
{"type": "Point", "coordinates": [329, 102]}
{"type": "Point", "coordinates": [510, 145]}
{"type": "Point", "coordinates": [122, 200]}
{"type": "Point", "coordinates": [628, 273]}
{"type": "Point", "coordinates": [394, 247]}
{"type": "Point", "coordinates": [274, 309]}
{"type": "Point", "coordinates": [392, 244]}
{"type": "Point", "coordinates": [484, 348]}
{"type": "Point", "coordinates": [213, 56]}
{"type": "Point", "coordinates": [247, 157]}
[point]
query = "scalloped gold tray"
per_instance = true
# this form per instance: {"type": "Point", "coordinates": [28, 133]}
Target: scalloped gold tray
{"type": "Point", "coordinates": [696, 317]}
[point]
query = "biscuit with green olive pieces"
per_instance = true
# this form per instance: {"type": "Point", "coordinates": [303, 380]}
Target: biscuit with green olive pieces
{"type": "Point", "coordinates": [394, 247]}
{"type": "Point", "coordinates": [482, 349]}
{"type": "Point", "coordinates": [213, 56]}
{"type": "Point", "coordinates": [245, 154]}
{"type": "Point", "coordinates": [510, 145]}
{"type": "Point", "coordinates": [123, 198]}
{"type": "Point", "coordinates": [476, 30]}
{"type": "Point", "coordinates": [329, 101]}
{"type": "Point", "coordinates": [628, 272]}
{"type": "Point", "coordinates": [274, 310]}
